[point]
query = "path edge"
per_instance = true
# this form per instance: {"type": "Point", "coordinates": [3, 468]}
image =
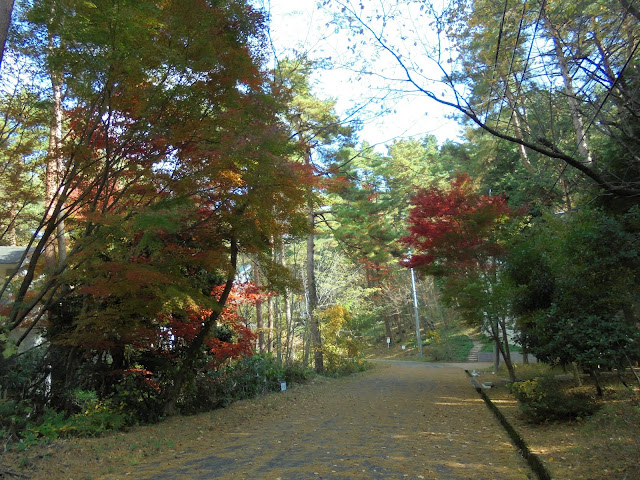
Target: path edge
{"type": "Point", "coordinates": [531, 458]}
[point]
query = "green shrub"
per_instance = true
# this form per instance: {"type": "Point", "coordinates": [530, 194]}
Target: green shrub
{"type": "Point", "coordinates": [139, 398]}
{"type": "Point", "coordinates": [21, 426]}
{"type": "Point", "coordinates": [448, 348]}
{"type": "Point", "coordinates": [14, 417]}
{"type": "Point", "coordinates": [345, 366]}
{"type": "Point", "coordinates": [246, 377]}
{"type": "Point", "coordinates": [544, 398]}
{"type": "Point", "coordinates": [297, 373]}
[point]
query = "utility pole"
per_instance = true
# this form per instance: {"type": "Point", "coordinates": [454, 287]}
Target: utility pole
{"type": "Point", "coordinates": [415, 312]}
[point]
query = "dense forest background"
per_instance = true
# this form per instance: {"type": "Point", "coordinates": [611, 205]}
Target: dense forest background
{"type": "Point", "coordinates": [186, 218]}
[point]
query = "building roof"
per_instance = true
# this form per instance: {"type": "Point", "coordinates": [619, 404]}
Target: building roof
{"type": "Point", "coordinates": [11, 255]}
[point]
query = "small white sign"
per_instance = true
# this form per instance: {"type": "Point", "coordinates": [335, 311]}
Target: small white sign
{"type": "Point", "coordinates": [404, 347]}
{"type": "Point", "coordinates": [283, 386]}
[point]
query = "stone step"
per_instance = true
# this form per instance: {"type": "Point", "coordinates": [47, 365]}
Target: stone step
{"type": "Point", "coordinates": [473, 354]}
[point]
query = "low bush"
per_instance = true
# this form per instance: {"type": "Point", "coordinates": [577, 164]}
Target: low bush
{"type": "Point", "coordinates": [346, 366]}
{"type": "Point", "coordinates": [14, 417]}
{"type": "Point", "coordinates": [138, 398]}
{"type": "Point", "coordinates": [545, 399]}
{"type": "Point", "coordinates": [297, 373]}
{"type": "Point", "coordinates": [246, 377]}
{"type": "Point", "coordinates": [449, 348]}
{"type": "Point", "coordinates": [20, 427]}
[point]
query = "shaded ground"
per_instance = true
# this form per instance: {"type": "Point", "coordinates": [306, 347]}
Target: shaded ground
{"type": "Point", "coordinates": [605, 446]}
{"type": "Point", "coordinates": [401, 420]}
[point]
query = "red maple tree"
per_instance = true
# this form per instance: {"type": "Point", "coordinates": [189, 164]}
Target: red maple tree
{"type": "Point", "coordinates": [454, 227]}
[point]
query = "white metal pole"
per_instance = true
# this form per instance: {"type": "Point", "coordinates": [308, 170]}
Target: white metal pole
{"type": "Point", "coordinates": [415, 312]}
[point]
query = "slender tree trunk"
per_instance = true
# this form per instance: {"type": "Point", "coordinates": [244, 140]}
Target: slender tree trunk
{"type": "Point", "coordinates": [500, 338]}
{"type": "Point", "coordinates": [576, 117]}
{"type": "Point", "coordinates": [306, 344]}
{"type": "Point", "coordinates": [576, 374]}
{"type": "Point", "coordinates": [270, 322]}
{"type": "Point", "coordinates": [596, 379]}
{"type": "Point", "coordinates": [287, 308]}
{"type": "Point", "coordinates": [290, 336]}
{"type": "Point", "coordinates": [271, 306]}
{"type": "Point", "coordinates": [64, 360]}
{"type": "Point", "coordinates": [277, 330]}
{"type": "Point", "coordinates": [387, 326]}
{"type": "Point", "coordinates": [518, 125]}
{"type": "Point", "coordinates": [565, 191]}
{"type": "Point", "coordinates": [631, 9]}
{"type": "Point", "coordinates": [314, 325]}
{"type": "Point", "coordinates": [54, 168]}
{"type": "Point", "coordinates": [259, 320]}
{"type": "Point", "coordinates": [506, 351]}
{"type": "Point", "coordinates": [6, 8]}
{"type": "Point", "coordinates": [396, 317]}
{"type": "Point", "coordinates": [194, 349]}
{"type": "Point", "coordinates": [11, 229]}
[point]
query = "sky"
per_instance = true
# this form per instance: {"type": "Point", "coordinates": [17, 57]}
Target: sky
{"type": "Point", "coordinates": [301, 25]}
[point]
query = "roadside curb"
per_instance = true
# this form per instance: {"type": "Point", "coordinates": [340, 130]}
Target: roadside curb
{"type": "Point", "coordinates": [531, 458]}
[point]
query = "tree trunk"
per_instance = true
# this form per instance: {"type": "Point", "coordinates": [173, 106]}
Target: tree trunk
{"type": "Point", "coordinates": [6, 8]}
{"type": "Point", "coordinates": [306, 344]}
{"type": "Point", "coordinates": [314, 325]}
{"type": "Point", "coordinates": [270, 322]}
{"type": "Point", "coordinates": [517, 123]}
{"type": "Point", "coordinates": [631, 9]}
{"type": "Point", "coordinates": [287, 308]}
{"type": "Point", "coordinates": [500, 339]}
{"type": "Point", "coordinates": [12, 236]}
{"type": "Point", "coordinates": [194, 349]}
{"type": "Point", "coordinates": [277, 330]}
{"type": "Point", "coordinates": [54, 168]}
{"type": "Point", "coordinates": [396, 317]}
{"type": "Point", "coordinates": [576, 117]}
{"type": "Point", "coordinates": [312, 301]}
{"type": "Point", "coordinates": [506, 353]}
{"type": "Point", "coordinates": [387, 327]}
{"type": "Point", "coordinates": [596, 379]}
{"type": "Point", "coordinates": [576, 374]}
{"type": "Point", "coordinates": [259, 320]}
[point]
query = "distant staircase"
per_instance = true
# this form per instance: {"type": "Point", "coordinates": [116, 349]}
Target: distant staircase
{"type": "Point", "coordinates": [473, 354]}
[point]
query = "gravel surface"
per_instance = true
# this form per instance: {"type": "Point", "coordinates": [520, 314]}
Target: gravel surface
{"type": "Point", "coordinates": [402, 420]}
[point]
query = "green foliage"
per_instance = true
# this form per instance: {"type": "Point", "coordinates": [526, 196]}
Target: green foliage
{"type": "Point", "coordinates": [371, 200]}
{"type": "Point", "coordinates": [448, 346]}
{"type": "Point", "coordinates": [22, 378]}
{"type": "Point", "coordinates": [297, 373]}
{"type": "Point", "coordinates": [341, 367]}
{"type": "Point", "coordinates": [575, 288]}
{"type": "Point", "coordinates": [488, 345]}
{"type": "Point", "coordinates": [137, 398]}
{"type": "Point", "coordinates": [341, 349]}
{"type": "Point", "coordinates": [137, 401]}
{"type": "Point", "coordinates": [545, 398]}
{"type": "Point", "coordinates": [246, 377]}
{"type": "Point", "coordinates": [19, 424]}
{"type": "Point", "coordinates": [14, 417]}
{"type": "Point", "coordinates": [191, 164]}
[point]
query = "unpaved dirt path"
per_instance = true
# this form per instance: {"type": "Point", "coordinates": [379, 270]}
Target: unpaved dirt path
{"type": "Point", "coordinates": [403, 420]}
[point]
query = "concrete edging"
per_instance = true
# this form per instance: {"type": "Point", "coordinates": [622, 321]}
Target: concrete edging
{"type": "Point", "coordinates": [531, 458]}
